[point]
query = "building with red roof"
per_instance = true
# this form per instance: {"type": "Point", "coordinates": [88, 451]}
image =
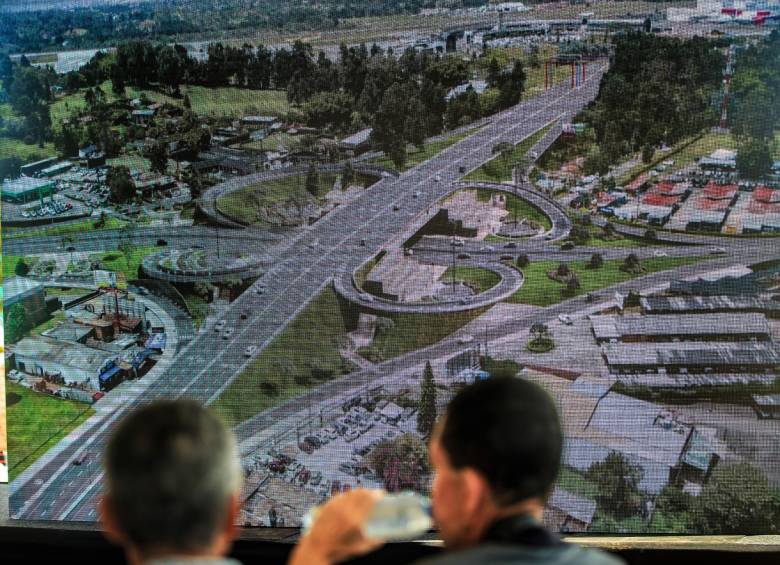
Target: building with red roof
{"type": "Point", "coordinates": [655, 199]}
{"type": "Point", "coordinates": [766, 195]}
{"type": "Point", "coordinates": [720, 191]}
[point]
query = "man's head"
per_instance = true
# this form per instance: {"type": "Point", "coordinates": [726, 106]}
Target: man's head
{"type": "Point", "coordinates": [173, 479]}
{"type": "Point", "coordinates": [496, 452]}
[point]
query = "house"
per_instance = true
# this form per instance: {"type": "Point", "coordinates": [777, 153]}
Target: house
{"type": "Point", "coordinates": [31, 168]}
{"type": "Point", "coordinates": [30, 294]}
{"type": "Point", "coordinates": [767, 405]}
{"type": "Point", "coordinates": [142, 117]}
{"type": "Point", "coordinates": [85, 152]}
{"type": "Point", "coordinates": [391, 412]}
{"type": "Point", "coordinates": [478, 86]}
{"type": "Point", "coordinates": [357, 142]}
{"type": "Point", "coordinates": [567, 512]}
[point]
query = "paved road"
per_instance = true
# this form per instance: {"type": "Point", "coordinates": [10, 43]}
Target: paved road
{"type": "Point", "coordinates": [330, 247]}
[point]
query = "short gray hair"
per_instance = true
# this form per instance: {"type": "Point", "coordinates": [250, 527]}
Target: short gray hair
{"type": "Point", "coordinates": [171, 469]}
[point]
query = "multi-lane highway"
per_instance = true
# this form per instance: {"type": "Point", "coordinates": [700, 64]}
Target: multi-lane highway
{"type": "Point", "coordinates": [303, 265]}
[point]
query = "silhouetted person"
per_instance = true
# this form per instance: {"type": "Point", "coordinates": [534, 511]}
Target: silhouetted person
{"type": "Point", "coordinates": [173, 482]}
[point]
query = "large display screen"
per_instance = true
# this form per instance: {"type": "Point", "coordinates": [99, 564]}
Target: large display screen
{"type": "Point", "coordinates": [323, 220]}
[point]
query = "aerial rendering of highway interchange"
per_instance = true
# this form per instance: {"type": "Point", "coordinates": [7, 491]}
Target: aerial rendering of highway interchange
{"type": "Point", "coordinates": [324, 235]}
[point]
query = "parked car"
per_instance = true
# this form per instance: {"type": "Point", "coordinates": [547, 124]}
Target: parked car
{"type": "Point", "coordinates": [352, 435]}
{"type": "Point", "coordinates": [314, 440]}
{"type": "Point", "coordinates": [219, 326]}
{"type": "Point", "coordinates": [228, 333]}
{"type": "Point", "coordinates": [565, 319]}
{"type": "Point", "coordinates": [250, 351]}
{"type": "Point", "coordinates": [464, 256]}
{"type": "Point", "coordinates": [510, 245]}
{"type": "Point", "coordinates": [331, 431]}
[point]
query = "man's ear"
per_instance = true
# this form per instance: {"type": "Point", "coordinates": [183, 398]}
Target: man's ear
{"type": "Point", "coordinates": [475, 490]}
{"type": "Point", "coordinates": [234, 509]}
{"type": "Point", "coordinates": [107, 518]}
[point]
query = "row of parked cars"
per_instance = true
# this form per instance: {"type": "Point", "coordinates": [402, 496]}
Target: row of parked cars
{"type": "Point", "coordinates": [297, 473]}
{"type": "Point", "coordinates": [48, 209]}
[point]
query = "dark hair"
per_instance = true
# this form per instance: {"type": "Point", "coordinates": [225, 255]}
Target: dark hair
{"type": "Point", "coordinates": [508, 430]}
{"type": "Point", "coordinates": [171, 469]}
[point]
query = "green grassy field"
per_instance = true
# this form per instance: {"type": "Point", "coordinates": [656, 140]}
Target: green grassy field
{"type": "Point", "coordinates": [310, 340]}
{"type": "Point", "coordinates": [27, 153]}
{"type": "Point", "coordinates": [517, 208]}
{"type": "Point", "coordinates": [273, 142]}
{"type": "Point", "coordinates": [198, 307]}
{"type": "Point", "coordinates": [540, 290]}
{"type": "Point", "coordinates": [476, 277]}
{"type": "Point", "coordinates": [9, 265]}
{"type": "Point", "coordinates": [415, 156]}
{"type": "Point", "coordinates": [216, 102]}
{"type": "Point", "coordinates": [117, 261]}
{"type": "Point", "coordinates": [243, 204]}
{"type": "Point", "coordinates": [576, 483]}
{"type": "Point", "coordinates": [36, 422]}
{"type": "Point", "coordinates": [499, 169]}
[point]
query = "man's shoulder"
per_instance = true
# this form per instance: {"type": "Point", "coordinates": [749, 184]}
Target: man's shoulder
{"type": "Point", "coordinates": [511, 554]}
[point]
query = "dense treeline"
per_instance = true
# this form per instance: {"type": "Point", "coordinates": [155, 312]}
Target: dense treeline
{"type": "Point", "coordinates": [755, 105]}
{"type": "Point", "coordinates": [403, 98]}
{"type": "Point", "coordinates": [108, 25]}
{"type": "Point", "coordinates": [658, 90]}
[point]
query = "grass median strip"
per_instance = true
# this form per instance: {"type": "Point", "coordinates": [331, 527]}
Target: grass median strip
{"type": "Point", "coordinates": [540, 290]}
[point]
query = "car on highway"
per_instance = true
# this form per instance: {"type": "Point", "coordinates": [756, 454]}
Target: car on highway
{"type": "Point", "coordinates": [365, 297]}
{"type": "Point", "coordinates": [244, 315]}
{"type": "Point", "coordinates": [228, 333]}
{"type": "Point", "coordinates": [457, 242]}
{"type": "Point", "coordinates": [565, 319]}
{"type": "Point", "coordinates": [659, 253]}
{"type": "Point", "coordinates": [80, 459]}
{"type": "Point", "coordinates": [161, 243]}
{"type": "Point", "coordinates": [417, 194]}
{"type": "Point", "coordinates": [250, 351]}
{"type": "Point", "coordinates": [507, 257]}
{"type": "Point", "coordinates": [567, 246]}
{"type": "Point", "coordinates": [718, 251]}
{"type": "Point", "coordinates": [437, 178]}
{"type": "Point", "coordinates": [487, 248]}
{"type": "Point", "coordinates": [219, 326]}
{"type": "Point", "coordinates": [464, 256]}
{"type": "Point", "coordinates": [362, 243]}
{"type": "Point", "coordinates": [396, 207]}
{"type": "Point", "coordinates": [260, 290]}
{"type": "Point", "coordinates": [70, 249]}
{"type": "Point", "coordinates": [510, 245]}
{"type": "Point", "coordinates": [465, 339]}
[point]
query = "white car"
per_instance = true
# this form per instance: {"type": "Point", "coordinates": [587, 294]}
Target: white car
{"type": "Point", "coordinates": [466, 338]}
{"type": "Point", "coordinates": [417, 194]}
{"type": "Point", "coordinates": [438, 178]}
{"type": "Point", "coordinates": [565, 319]}
{"type": "Point", "coordinates": [457, 242]}
{"type": "Point", "coordinates": [228, 333]}
{"type": "Point", "coordinates": [365, 297]}
{"type": "Point", "coordinates": [260, 290]}
{"type": "Point", "coordinates": [220, 326]}
{"type": "Point", "coordinates": [660, 253]}
{"type": "Point", "coordinates": [250, 351]}
{"type": "Point", "coordinates": [718, 251]}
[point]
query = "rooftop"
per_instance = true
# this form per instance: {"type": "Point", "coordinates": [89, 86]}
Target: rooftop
{"type": "Point", "coordinates": [653, 304]}
{"type": "Point", "coordinates": [693, 354]}
{"type": "Point", "coordinates": [63, 353]}
{"type": "Point", "coordinates": [22, 185]}
{"type": "Point", "coordinates": [358, 138]}
{"type": "Point", "coordinates": [615, 327]}
{"type": "Point", "coordinates": [14, 288]}
{"type": "Point", "coordinates": [578, 507]}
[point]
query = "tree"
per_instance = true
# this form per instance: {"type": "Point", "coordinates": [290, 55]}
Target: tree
{"type": "Point", "coordinates": [348, 175]}
{"type": "Point", "coordinates": [754, 159]}
{"type": "Point", "coordinates": [15, 323]}
{"type": "Point", "coordinates": [523, 261]}
{"type": "Point", "coordinates": [426, 416]}
{"type": "Point", "coordinates": [596, 261]}
{"type": "Point", "coordinates": [572, 285]}
{"type": "Point", "coordinates": [617, 481]}
{"type": "Point", "coordinates": [157, 154]}
{"type": "Point", "coordinates": [186, 102]}
{"type": "Point", "coordinates": [562, 270]}
{"type": "Point", "coordinates": [539, 330]}
{"type": "Point", "coordinates": [390, 123]}
{"type": "Point", "coordinates": [647, 153]}
{"type": "Point", "coordinates": [21, 268]}
{"type": "Point", "coordinates": [631, 264]}
{"type": "Point", "coordinates": [738, 499]}
{"type": "Point", "coordinates": [402, 463]}
{"type": "Point", "coordinates": [117, 80]}
{"type": "Point", "coordinates": [67, 141]}
{"type": "Point", "coordinates": [650, 234]}
{"type": "Point", "coordinates": [579, 234]}
{"type": "Point", "coordinates": [120, 184]}
{"type": "Point", "coordinates": [312, 181]}
{"type": "Point", "coordinates": [504, 149]}
{"type": "Point", "coordinates": [384, 326]}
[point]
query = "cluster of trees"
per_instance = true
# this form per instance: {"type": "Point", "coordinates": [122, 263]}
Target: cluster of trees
{"type": "Point", "coordinates": [737, 499]}
{"type": "Point", "coordinates": [403, 98]}
{"type": "Point", "coordinates": [755, 106]}
{"type": "Point", "coordinates": [103, 25]}
{"type": "Point", "coordinates": [658, 90]}
{"type": "Point", "coordinates": [28, 90]}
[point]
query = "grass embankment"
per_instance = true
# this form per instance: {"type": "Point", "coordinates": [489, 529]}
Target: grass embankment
{"type": "Point", "coordinates": [27, 153]}
{"type": "Point", "coordinates": [540, 290]}
{"type": "Point", "coordinates": [499, 168]}
{"type": "Point", "coordinates": [245, 204]}
{"type": "Point", "coordinates": [36, 422]}
{"type": "Point", "coordinates": [273, 142]}
{"type": "Point", "coordinates": [517, 208]}
{"type": "Point", "coordinates": [477, 278]}
{"type": "Point", "coordinates": [309, 341]}
{"type": "Point", "coordinates": [415, 331]}
{"type": "Point", "coordinates": [127, 264]}
{"type": "Point", "coordinates": [65, 229]}
{"type": "Point", "coordinates": [415, 155]}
